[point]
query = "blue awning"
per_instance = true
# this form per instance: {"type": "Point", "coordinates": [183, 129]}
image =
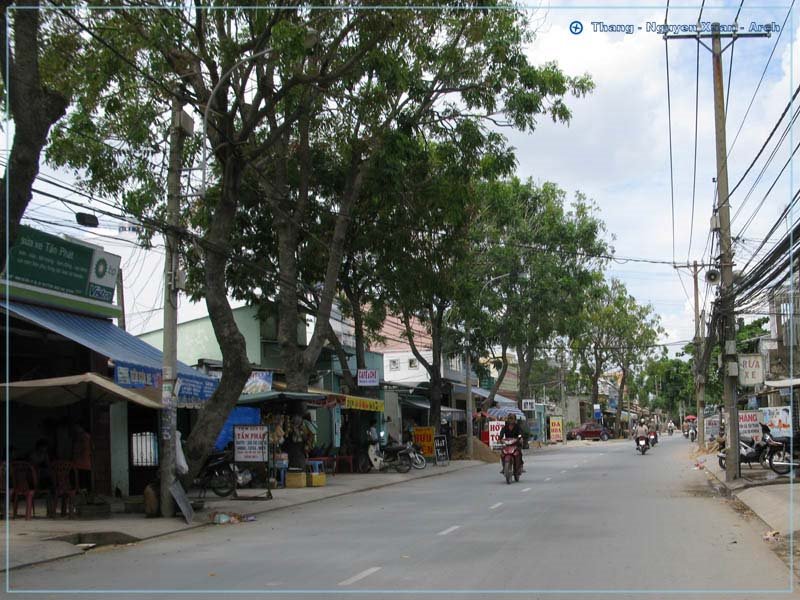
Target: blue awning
{"type": "Point", "coordinates": [137, 364]}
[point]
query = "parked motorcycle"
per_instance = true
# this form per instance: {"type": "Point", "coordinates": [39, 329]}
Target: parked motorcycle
{"type": "Point", "coordinates": [415, 454]}
{"type": "Point", "coordinates": [780, 456]}
{"type": "Point", "coordinates": [394, 456]}
{"type": "Point", "coordinates": [511, 456]}
{"type": "Point", "coordinates": [642, 444]}
{"type": "Point", "coordinates": [221, 475]}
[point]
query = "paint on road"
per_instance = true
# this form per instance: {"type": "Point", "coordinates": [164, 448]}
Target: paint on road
{"type": "Point", "coordinates": [493, 506]}
{"type": "Point", "coordinates": [360, 576]}
{"type": "Point", "coordinates": [449, 530]}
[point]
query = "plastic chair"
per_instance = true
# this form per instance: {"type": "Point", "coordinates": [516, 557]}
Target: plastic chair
{"type": "Point", "coordinates": [65, 476]}
{"type": "Point", "coordinates": [23, 485]}
{"type": "Point", "coordinates": [315, 466]}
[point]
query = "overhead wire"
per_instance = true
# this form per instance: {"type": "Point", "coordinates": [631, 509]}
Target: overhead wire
{"type": "Point", "coordinates": [669, 127]}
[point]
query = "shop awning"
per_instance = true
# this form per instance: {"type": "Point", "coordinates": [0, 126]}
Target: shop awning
{"type": "Point", "coordinates": [63, 391]}
{"type": "Point", "coordinates": [416, 401]}
{"type": "Point", "coordinates": [783, 383]}
{"type": "Point", "coordinates": [501, 400]}
{"type": "Point", "coordinates": [453, 414]}
{"type": "Point", "coordinates": [137, 364]}
{"type": "Point", "coordinates": [278, 396]}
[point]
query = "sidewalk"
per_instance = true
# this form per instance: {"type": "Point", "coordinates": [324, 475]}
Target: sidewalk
{"type": "Point", "coordinates": [31, 542]}
{"type": "Point", "coordinates": [771, 497]}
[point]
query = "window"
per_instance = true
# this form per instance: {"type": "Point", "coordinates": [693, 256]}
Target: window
{"type": "Point", "coordinates": [144, 449]}
{"type": "Point", "coordinates": [454, 362]}
{"type": "Point", "coordinates": [394, 365]}
{"type": "Point", "coordinates": [413, 363]}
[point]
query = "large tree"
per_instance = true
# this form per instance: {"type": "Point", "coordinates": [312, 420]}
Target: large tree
{"type": "Point", "coordinates": [32, 58]}
{"type": "Point", "coordinates": [635, 331]}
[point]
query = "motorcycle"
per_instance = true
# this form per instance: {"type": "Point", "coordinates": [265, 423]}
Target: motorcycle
{"type": "Point", "coordinates": [221, 475]}
{"type": "Point", "coordinates": [394, 456]}
{"type": "Point", "coordinates": [642, 444]}
{"type": "Point", "coordinates": [780, 455]}
{"type": "Point", "coordinates": [415, 454]}
{"type": "Point", "coordinates": [511, 456]}
{"type": "Point", "coordinates": [653, 439]}
{"type": "Point", "coordinates": [692, 435]}
{"type": "Point", "coordinates": [670, 431]}
{"type": "Point", "coordinates": [686, 434]}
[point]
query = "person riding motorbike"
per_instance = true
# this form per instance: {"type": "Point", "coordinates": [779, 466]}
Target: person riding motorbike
{"type": "Point", "coordinates": [654, 430]}
{"type": "Point", "coordinates": [512, 430]}
{"type": "Point", "coordinates": [671, 427]}
{"type": "Point", "coordinates": [641, 431]}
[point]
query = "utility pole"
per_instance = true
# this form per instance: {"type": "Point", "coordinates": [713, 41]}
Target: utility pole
{"type": "Point", "coordinates": [120, 300]}
{"type": "Point", "coordinates": [699, 371]}
{"type": "Point", "coordinates": [730, 373]}
{"type": "Point", "coordinates": [180, 125]}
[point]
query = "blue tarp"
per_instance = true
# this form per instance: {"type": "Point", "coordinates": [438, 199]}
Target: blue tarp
{"type": "Point", "coordinates": [138, 364]}
{"type": "Point", "coordinates": [241, 415]}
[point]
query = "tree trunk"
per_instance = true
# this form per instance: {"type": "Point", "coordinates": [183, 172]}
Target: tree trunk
{"type": "Point", "coordinates": [619, 402]}
{"type": "Point", "coordinates": [525, 361]}
{"type": "Point", "coordinates": [500, 377]}
{"type": "Point", "coordinates": [350, 380]}
{"type": "Point", "coordinates": [34, 110]}
{"type": "Point", "coordinates": [236, 365]}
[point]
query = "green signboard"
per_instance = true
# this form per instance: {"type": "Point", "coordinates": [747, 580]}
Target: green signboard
{"type": "Point", "coordinates": [61, 265]}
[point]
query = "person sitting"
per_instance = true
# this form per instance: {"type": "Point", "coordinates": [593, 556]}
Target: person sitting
{"type": "Point", "coordinates": [512, 430]}
{"type": "Point", "coordinates": [641, 431]}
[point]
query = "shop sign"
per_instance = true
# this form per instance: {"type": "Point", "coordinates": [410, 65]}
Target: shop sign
{"type": "Point", "coordinates": [711, 426]}
{"type": "Point", "coordinates": [357, 403]}
{"type": "Point", "coordinates": [778, 419]}
{"type": "Point", "coordinates": [250, 443]}
{"type": "Point", "coordinates": [368, 378]}
{"type": "Point", "coordinates": [751, 369]}
{"type": "Point", "coordinates": [337, 426]}
{"type": "Point", "coordinates": [441, 450]}
{"type": "Point", "coordinates": [423, 437]}
{"type": "Point", "coordinates": [189, 389]}
{"type": "Point", "coordinates": [61, 265]}
{"type": "Point", "coordinates": [528, 404]}
{"type": "Point", "coordinates": [494, 433]}
{"type": "Point", "coordinates": [258, 383]}
{"type": "Point", "coordinates": [749, 424]}
{"type": "Point", "coordinates": [556, 429]}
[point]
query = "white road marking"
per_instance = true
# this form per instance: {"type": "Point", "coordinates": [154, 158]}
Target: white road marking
{"type": "Point", "coordinates": [574, 466]}
{"type": "Point", "coordinates": [548, 478]}
{"type": "Point", "coordinates": [360, 576]}
{"type": "Point", "coordinates": [564, 471]}
{"type": "Point", "coordinates": [527, 490]}
{"type": "Point", "coordinates": [493, 506]}
{"type": "Point", "coordinates": [449, 530]}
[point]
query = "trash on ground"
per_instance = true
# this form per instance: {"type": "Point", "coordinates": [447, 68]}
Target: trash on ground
{"type": "Point", "coordinates": [223, 518]}
{"type": "Point", "coordinates": [772, 536]}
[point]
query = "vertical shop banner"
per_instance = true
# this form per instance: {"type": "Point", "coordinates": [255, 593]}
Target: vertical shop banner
{"type": "Point", "coordinates": [778, 419]}
{"type": "Point", "coordinates": [250, 443]}
{"type": "Point", "coordinates": [556, 429]}
{"type": "Point", "coordinates": [711, 425]}
{"type": "Point", "coordinates": [337, 426]}
{"type": "Point", "coordinates": [750, 424]}
{"type": "Point", "coordinates": [423, 437]}
{"type": "Point", "coordinates": [494, 433]}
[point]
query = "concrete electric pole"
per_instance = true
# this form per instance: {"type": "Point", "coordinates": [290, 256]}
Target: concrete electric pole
{"type": "Point", "coordinates": [180, 126]}
{"type": "Point", "coordinates": [469, 407]}
{"type": "Point", "coordinates": [730, 373]}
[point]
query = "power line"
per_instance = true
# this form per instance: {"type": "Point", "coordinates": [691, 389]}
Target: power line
{"type": "Point", "coordinates": [669, 125]}
{"type": "Point", "coordinates": [694, 170]}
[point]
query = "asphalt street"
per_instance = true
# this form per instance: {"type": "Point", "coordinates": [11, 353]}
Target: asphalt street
{"type": "Point", "coordinates": [585, 521]}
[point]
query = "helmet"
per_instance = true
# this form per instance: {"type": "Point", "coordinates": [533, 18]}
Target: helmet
{"type": "Point", "coordinates": [641, 421]}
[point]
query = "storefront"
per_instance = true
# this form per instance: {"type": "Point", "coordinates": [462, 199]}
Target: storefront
{"type": "Point", "coordinates": [73, 374]}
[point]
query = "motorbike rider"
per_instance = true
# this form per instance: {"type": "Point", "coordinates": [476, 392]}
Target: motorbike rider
{"type": "Point", "coordinates": [653, 430]}
{"type": "Point", "coordinates": [512, 430]}
{"type": "Point", "coordinates": [671, 427]}
{"type": "Point", "coordinates": [642, 431]}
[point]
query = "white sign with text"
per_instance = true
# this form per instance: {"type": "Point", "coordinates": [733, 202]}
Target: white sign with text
{"type": "Point", "coordinates": [368, 378]}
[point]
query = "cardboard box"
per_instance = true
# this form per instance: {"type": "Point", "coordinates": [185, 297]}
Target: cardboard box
{"type": "Point", "coordinates": [315, 479]}
{"type": "Point", "coordinates": [295, 479]}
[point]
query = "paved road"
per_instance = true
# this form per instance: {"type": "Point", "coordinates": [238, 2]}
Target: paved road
{"type": "Point", "coordinates": [584, 519]}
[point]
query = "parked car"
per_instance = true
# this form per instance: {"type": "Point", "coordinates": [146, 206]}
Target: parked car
{"type": "Point", "coordinates": [589, 431]}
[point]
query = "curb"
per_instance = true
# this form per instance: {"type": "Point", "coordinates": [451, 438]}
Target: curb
{"type": "Point", "coordinates": [432, 473]}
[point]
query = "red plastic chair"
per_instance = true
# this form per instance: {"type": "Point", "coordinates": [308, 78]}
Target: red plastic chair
{"type": "Point", "coordinates": [65, 477]}
{"type": "Point", "coordinates": [23, 485]}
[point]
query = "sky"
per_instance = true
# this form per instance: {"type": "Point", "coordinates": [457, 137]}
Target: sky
{"type": "Point", "coordinates": [615, 149]}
